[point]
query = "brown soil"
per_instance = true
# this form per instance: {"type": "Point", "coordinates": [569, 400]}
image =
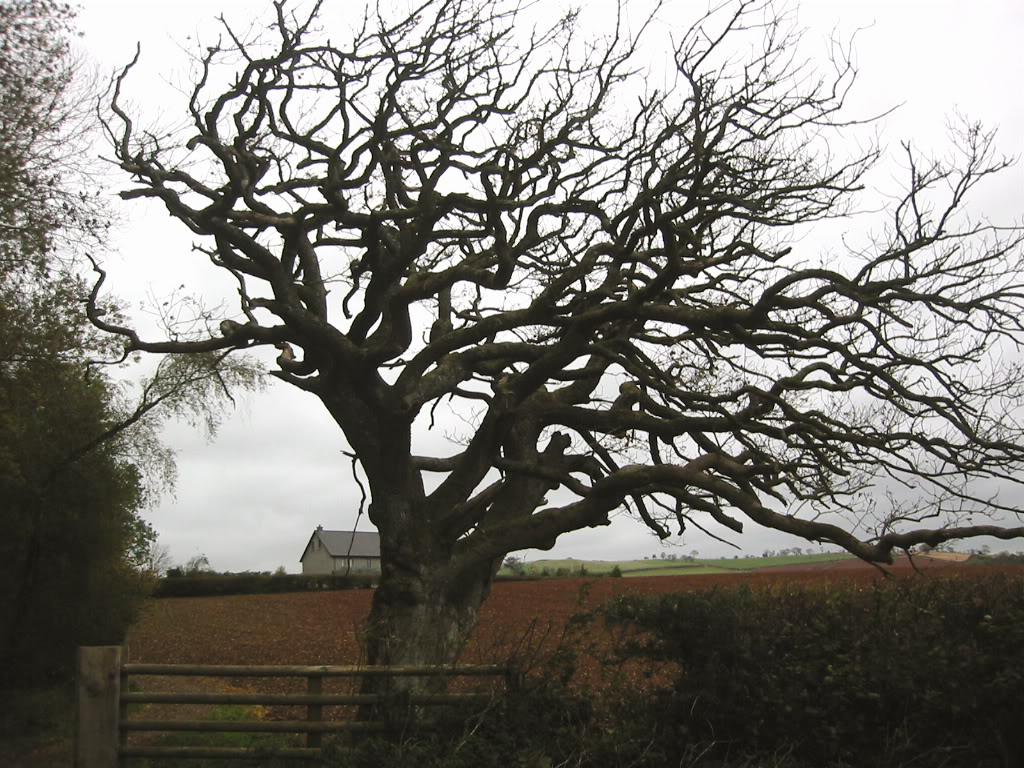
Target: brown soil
{"type": "Point", "coordinates": [521, 619]}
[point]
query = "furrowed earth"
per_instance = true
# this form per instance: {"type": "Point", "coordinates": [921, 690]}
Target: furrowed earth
{"type": "Point", "coordinates": [522, 620]}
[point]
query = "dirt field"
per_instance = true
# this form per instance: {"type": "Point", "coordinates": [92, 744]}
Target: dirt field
{"type": "Point", "coordinates": [522, 621]}
{"type": "Point", "coordinates": [324, 627]}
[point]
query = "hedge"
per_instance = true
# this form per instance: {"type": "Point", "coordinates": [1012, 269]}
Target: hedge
{"type": "Point", "coordinates": [849, 674]}
{"type": "Point", "coordinates": [209, 584]}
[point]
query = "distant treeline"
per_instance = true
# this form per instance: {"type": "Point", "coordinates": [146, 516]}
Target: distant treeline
{"type": "Point", "coordinates": [999, 558]}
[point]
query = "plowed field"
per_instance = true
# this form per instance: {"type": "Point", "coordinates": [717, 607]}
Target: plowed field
{"type": "Point", "coordinates": [324, 627]}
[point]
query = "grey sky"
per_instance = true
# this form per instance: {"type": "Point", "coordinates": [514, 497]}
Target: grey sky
{"type": "Point", "coordinates": [250, 499]}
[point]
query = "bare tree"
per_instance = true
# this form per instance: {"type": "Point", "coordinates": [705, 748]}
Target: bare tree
{"type": "Point", "coordinates": [158, 559]}
{"type": "Point", "coordinates": [599, 269]}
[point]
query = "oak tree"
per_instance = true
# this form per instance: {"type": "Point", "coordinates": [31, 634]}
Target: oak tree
{"type": "Point", "coordinates": [601, 265]}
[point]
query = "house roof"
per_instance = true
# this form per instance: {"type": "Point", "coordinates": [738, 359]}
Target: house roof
{"type": "Point", "coordinates": [337, 543]}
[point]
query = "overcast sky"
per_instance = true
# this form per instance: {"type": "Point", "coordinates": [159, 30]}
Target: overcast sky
{"type": "Point", "coordinates": [249, 499]}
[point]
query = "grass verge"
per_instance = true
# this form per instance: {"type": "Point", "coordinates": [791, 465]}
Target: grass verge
{"type": "Point", "coordinates": [229, 713]}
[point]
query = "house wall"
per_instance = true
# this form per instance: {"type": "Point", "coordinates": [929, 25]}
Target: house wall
{"type": "Point", "coordinates": [359, 564]}
{"type": "Point", "coordinates": [316, 560]}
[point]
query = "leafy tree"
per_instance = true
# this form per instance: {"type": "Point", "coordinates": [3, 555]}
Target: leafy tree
{"type": "Point", "coordinates": [80, 455]}
{"type": "Point", "coordinates": [80, 459]}
{"type": "Point", "coordinates": [44, 117]}
{"type": "Point", "coordinates": [64, 568]}
{"type": "Point", "coordinates": [141, 544]}
{"type": "Point", "coordinates": [515, 564]}
{"type": "Point", "coordinates": [600, 272]}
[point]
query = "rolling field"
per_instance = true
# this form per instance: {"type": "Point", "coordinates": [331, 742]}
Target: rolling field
{"type": "Point", "coordinates": [676, 567]}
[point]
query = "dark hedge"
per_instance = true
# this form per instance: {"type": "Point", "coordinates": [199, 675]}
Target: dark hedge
{"type": "Point", "coordinates": [206, 585]}
{"type": "Point", "coordinates": [919, 669]}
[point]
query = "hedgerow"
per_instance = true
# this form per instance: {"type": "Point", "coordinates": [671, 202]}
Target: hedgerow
{"type": "Point", "coordinates": [843, 674]}
{"type": "Point", "coordinates": [211, 584]}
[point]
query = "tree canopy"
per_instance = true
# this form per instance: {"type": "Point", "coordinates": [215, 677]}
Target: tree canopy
{"type": "Point", "coordinates": [80, 449]}
{"type": "Point", "coordinates": [598, 265]}
{"type": "Point", "coordinates": [45, 113]}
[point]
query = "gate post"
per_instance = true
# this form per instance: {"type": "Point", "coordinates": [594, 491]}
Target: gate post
{"type": "Point", "coordinates": [98, 701]}
{"type": "Point", "coordinates": [314, 712]}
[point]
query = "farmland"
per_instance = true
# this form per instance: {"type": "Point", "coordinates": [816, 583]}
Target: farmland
{"type": "Point", "coordinates": [677, 566]}
{"type": "Point", "coordinates": [523, 620]}
{"type": "Point", "coordinates": [324, 627]}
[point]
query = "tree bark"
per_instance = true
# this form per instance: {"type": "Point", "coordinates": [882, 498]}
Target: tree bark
{"type": "Point", "coordinates": [422, 614]}
{"type": "Point", "coordinates": [417, 620]}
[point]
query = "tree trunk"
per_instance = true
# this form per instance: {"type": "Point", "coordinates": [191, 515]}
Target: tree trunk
{"type": "Point", "coordinates": [426, 604]}
{"type": "Point", "coordinates": [22, 589]}
{"type": "Point", "coordinates": [421, 616]}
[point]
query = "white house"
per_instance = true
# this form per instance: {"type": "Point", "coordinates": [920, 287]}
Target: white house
{"type": "Point", "coordinates": [341, 552]}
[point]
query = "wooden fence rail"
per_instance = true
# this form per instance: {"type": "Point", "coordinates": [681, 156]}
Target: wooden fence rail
{"type": "Point", "coordinates": [103, 725]}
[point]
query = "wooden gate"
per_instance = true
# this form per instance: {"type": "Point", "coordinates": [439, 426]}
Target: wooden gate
{"type": "Point", "coordinates": [104, 698]}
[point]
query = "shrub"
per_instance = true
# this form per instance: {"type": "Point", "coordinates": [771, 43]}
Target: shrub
{"type": "Point", "coordinates": [1000, 558]}
{"type": "Point", "coordinates": [841, 674]}
{"type": "Point", "coordinates": [35, 716]}
{"type": "Point", "coordinates": [524, 729]}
